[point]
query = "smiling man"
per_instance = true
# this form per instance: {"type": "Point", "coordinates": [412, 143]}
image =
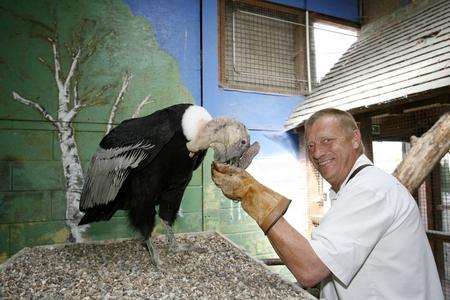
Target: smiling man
{"type": "Point", "coordinates": [371, 244]}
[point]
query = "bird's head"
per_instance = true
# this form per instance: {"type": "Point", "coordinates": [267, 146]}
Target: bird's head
{"type": "Point", "coordinates": [228, 137]}
{"type": "Point", "coordinates": [230, 140]}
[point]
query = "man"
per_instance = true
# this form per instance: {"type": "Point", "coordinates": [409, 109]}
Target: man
{"type": "Point", "coordinates": [371, 244]}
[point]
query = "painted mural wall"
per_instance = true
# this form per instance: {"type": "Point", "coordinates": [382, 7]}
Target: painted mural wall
{"type": "Point", "coordinates": [69, 68]}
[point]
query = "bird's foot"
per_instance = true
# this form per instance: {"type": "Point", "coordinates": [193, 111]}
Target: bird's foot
{"type": "Point", "coordinates": [154, 255]}
{"type": "Point", "coordinates": [174, 246]}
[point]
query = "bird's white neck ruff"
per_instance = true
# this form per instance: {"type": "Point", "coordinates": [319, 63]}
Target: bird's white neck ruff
{"type": "Point", "coordinates": [194, 119]}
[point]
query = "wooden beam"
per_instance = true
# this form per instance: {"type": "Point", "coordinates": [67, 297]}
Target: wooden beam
{"type": "Point", "coordinates": [438, 235]}
{"type": "Point", "coordinates": [365, 126]}
{"type": "Point", "coordinates": [272, 261]}
{"type": "Point", "coordinates": [424, 154]}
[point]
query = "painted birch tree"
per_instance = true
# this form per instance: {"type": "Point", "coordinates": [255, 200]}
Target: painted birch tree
{"type": "Point", "coordinates": [84, 60]}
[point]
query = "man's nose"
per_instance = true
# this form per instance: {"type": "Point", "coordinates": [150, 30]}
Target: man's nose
{"type": "Point", "coordinates": [317, 151]}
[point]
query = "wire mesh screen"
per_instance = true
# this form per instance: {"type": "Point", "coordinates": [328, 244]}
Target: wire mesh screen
{"type": "Point", "coordinates": [264, 49]}
{"type": "Point", "coordinates": [442, 215]}
{"type": "Point", "coordinates": [441, 187]}
{"type": "Point", "coordinates": [433, 196]}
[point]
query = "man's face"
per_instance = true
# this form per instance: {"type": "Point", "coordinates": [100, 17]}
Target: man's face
{"type": "Point", "coordinates": [332, 150]}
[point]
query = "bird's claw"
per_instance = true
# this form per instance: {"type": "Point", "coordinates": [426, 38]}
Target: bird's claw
{"type": "Point", "coordinates": [154, 255]}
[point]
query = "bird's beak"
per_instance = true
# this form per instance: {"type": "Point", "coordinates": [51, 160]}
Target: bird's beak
{"type": "Point", "coordinates": [247, 157]}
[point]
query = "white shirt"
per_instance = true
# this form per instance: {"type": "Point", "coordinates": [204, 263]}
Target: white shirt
{"type": "Point", "coordinates": [374, 243]}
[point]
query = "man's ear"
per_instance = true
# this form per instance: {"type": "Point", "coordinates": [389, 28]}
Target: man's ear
{"type": "Point", "coordinates": [356, 139]}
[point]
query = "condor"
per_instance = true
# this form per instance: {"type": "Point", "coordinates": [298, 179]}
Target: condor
{"type": "Point", "coordinates": [147, 162]}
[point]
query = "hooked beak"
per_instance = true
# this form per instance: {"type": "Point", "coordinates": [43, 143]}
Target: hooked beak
{"type": "Point", "coordinates": [243, 160]}
{"type": "Point", "coordinates": [228, 155]}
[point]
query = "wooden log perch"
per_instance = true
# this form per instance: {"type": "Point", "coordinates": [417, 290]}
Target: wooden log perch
{"type": "Point", "coordinates": [424, 154]}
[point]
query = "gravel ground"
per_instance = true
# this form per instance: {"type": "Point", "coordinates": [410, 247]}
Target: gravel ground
{"type": "Point", "coordinates": [122, 269]}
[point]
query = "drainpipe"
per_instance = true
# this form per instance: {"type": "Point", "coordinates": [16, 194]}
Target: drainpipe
{"type": "Point", "coordinates": [308, 57]}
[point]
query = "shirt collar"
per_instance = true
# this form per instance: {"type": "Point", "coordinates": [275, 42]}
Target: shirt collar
{"type": "Point", "coordinates": [361, 160]}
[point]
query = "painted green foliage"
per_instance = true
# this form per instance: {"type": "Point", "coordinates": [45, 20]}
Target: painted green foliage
{"type": "Point", "coordinates": [111, 42]}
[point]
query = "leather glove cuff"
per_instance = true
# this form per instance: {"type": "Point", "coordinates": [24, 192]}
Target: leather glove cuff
{"type": "Point", "coordinates": [275, 214]}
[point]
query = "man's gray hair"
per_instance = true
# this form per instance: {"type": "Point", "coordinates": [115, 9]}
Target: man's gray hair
{"type": "Point", "coordinates": [344, 118]}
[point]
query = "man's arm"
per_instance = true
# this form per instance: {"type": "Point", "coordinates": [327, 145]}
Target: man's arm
{"type": "Point", "coordinates": [297, 254]}
{"type": "Point", "coordinates": [267, 207]}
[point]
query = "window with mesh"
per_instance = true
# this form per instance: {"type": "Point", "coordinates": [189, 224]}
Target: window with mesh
{"type": "Point", "coordinates": [262, 47]}
{"type": "Point", "coordinates": [329, 41]}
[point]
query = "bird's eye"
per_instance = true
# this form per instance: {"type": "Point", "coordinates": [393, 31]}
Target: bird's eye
{"type": "Point", "coordinates": [243, 142]}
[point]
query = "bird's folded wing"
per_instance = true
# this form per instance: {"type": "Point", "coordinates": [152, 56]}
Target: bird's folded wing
{"type": "Point", "coordinates": [108, 170]}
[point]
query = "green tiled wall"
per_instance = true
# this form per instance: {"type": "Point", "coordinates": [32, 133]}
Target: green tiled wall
{"type": "Point", "coordinates": [19, 207]}
{"type": "Point", "coordinates": [20, 143]}
{"type": "Point", "coordinates": [5, 176]}
{"type": "Point", "coordinates": [4, 242]}
{"type": "Point", "coordinates": [36, 233]}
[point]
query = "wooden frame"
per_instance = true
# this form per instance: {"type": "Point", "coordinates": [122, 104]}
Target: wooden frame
{"type": "Point", "coordinates": [299, 42]}
{"type": "Point", "coordinates": [344, 24]}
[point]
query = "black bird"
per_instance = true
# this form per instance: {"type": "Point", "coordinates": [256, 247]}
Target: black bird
{"type": "Point", "coordinates": [148, 162]}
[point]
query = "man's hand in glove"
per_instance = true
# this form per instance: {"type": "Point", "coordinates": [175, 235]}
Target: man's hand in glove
{"type": "Point", "coordinates": [260, 202]}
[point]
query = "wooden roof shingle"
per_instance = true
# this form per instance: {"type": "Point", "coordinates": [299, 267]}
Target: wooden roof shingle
{"type": "Point", "coordinates": [409, 56]}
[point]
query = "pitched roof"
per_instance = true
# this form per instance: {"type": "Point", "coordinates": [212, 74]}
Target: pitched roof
{"type": "Point", "coordinates": [408, 54]}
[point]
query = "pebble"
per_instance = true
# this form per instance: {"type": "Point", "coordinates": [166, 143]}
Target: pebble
{"type": "Point", "coordinates": [123, 269]}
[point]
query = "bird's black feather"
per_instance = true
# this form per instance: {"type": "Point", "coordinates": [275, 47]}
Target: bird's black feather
{"type": "Point", "coordinates": [159, 179]}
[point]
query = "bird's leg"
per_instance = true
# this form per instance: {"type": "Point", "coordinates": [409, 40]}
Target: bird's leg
{"type": "Point", "coordinates": [174, 246]}
{"type": "Point", "coordinates": [170, 236]}
{"type": "Point", "coordinates": [154, 254]}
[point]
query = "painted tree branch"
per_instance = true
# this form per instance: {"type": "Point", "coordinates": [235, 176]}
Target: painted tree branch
{"type": "Point", "coordinates": [424, 154]}
{"type": "Point", "coordinates": [45, 63]}
{"type": "Point", "coordinates": [69, 152]}
{"type": "Point", "coordinates": [126, 81]}
{"type": "Point", "coordinates": [73, 67]}
{"type": "Point", "coordinates": [38, 107]}
{"type": "Point", "coordinates": [73, 112]}
{"type": "Point", "coordinates": [76, 100]}
{"type": "Point", "coordinates": [69, 104]}
{"type": "Point", "coordinates": [57, 66]}
{"type": "Point", "coordinates": [137, 112]}
{"type": "Point", "coordinates": [93, 96]}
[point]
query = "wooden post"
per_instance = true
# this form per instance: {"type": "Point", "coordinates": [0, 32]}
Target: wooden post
{"type": "Point", "coordinates": [424, 154]}
{"type": "Point", "coordinates": [365, 126]}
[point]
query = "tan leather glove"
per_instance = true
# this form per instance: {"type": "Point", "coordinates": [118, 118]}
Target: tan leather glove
{"type": "Point", "coordinates": [260, 202]}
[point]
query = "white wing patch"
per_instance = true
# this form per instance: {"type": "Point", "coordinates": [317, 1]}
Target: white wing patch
{"type": "Point", "coordinates": [109, 169]}
{"type": "Point", "coordinates": [194, 118]}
